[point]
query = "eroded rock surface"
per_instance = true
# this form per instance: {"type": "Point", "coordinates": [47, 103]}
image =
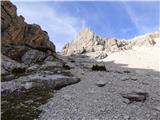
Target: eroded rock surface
{"type": "Point", "coordinates": [18, 37]}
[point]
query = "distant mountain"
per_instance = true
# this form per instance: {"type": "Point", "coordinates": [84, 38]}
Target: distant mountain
{"type": "Point", "coordinates": [88, 41]}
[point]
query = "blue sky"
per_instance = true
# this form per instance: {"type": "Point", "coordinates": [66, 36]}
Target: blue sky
{"type": "Point", "coordinates": [63, 20]}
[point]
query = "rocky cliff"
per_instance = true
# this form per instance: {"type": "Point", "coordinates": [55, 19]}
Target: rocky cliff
{"type": "Point", "coordinates": [30, 68]}
{"type": "Point", "coordinates": [18, 37]}
{"type": "Point", "coordinates": [88, 41]}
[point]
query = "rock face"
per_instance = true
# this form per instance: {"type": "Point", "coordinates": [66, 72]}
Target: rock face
{"type": "Point", "coordinates": [31, 69]}
{"type": "Point", "coordinates": [88, 41]}
{"type": "Point", "coordinates": [18, 37]}
{"type": "Point", "coordinates": [146, 40]}
{"type": "Point", "coordinates": [33, 56]}
{"type": "Point", "coordinates": [8, 65]}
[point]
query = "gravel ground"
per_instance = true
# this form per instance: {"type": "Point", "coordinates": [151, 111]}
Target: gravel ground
{"type": "Point", "coordinates": [86, 101]}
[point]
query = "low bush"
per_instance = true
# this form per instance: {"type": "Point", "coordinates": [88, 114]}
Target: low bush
{"type": "Point", "coordinates": [18, 71]}
{"type": "Point", "coordinates": [98, 68]}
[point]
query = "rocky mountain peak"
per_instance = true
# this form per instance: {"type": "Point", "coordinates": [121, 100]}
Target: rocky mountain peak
{"type": "Point", "coordinates": [85, 35]}
{"type": "Point", "coordinates": [88, 41]}
{"type": "Point", "coordinates": [86, 30]}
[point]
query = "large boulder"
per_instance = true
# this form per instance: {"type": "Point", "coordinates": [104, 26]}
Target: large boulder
{"type": "Point", "coordinates": [33, 56]}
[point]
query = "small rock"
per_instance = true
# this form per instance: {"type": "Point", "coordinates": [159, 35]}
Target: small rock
{"type": "Point", "coordinates": [82, 73]}
{"type": "Point", "coordinates": [50, 58]}
{"type": "Point", "coordinates": [59, 72]}
{"type": "Point", "coordinates": [33, 68]}
{"type": "Point", "coordinates": [145, 83]}
{"type": "Point", "coordinates": [124, 79]}
{"type": "Point", "coordinates": [28, 85]}
{"type": "Point", "coordinates": [126, 117]}
{"type": "Point", "coordinates": [129, 78]}
{"type": "Point", "coordinates": [101, 83]}
{"type": "Point", "coordinates": [134, 78]}
{"type": "Point", "coordinates": [126, 71]}
{"type": "Point", "coordinates": [126, 101]}
{"type": "Point", "coordinates": [135, 96]}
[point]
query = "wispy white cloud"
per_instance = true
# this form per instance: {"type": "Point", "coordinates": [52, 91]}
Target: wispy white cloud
{"type": "Point", "coordinates": [139, 20]}
{"type": "Point", "coordinates": [60, 27]}
{"type": "Point", "coordinates": [132, 16]}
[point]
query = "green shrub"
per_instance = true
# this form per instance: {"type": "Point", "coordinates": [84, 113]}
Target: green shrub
{"type": "Point", "coordinates": [98, 68]}
{"type": "Point", "coordinates": [18, 71]}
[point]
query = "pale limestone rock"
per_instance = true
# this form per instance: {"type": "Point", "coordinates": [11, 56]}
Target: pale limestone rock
{"type": "Point", "coordinates": [87, 41]}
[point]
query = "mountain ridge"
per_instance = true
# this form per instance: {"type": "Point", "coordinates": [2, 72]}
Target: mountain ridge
{"type": "Point", "coordinates": [87, 41]}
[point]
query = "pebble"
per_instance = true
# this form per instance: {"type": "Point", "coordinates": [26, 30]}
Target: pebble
{"type": "Point", "coordinates": [101, 83]}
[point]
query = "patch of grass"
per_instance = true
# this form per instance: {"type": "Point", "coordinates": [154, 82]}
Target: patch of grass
{"type": "Point", "coordinates": [7, 78]}
{"type": "Point", "coordinates": [23, 105]}
{"type": "Point", "coordinates": [18, 71]}
{"type": "Point", "coordinates": [3, 78]}
{"type": "Point", "coordinates": [98, 68]}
